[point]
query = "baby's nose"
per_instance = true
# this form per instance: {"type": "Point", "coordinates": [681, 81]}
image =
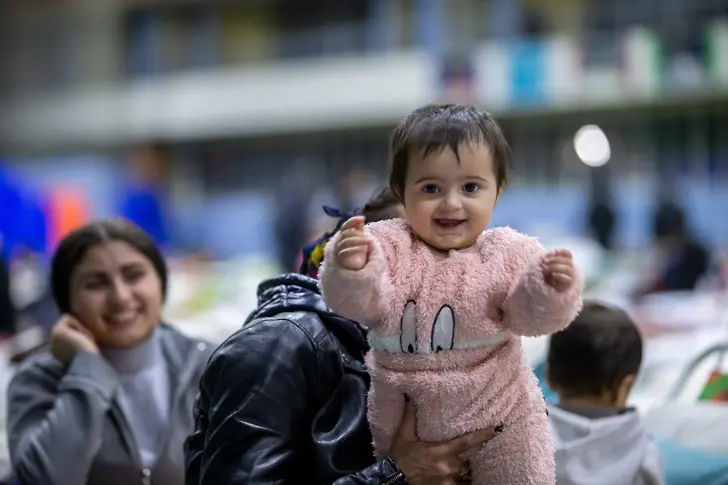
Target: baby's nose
{"type": "Point", "coordinates": [452, 202]}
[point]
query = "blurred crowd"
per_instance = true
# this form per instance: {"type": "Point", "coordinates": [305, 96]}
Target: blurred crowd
{"type": "Point", "coordinates": [214, 149]}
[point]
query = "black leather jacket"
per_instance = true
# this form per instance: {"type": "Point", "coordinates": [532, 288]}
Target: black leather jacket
{"type": "Point", "coordinates": [283, 400]}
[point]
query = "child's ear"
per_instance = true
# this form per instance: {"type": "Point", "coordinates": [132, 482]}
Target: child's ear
{"type": "Point", "coordinates": [622, 390]}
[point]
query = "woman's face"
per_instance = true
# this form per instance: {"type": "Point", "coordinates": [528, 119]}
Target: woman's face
{"type": "Point", "coordinates": [117, 294]}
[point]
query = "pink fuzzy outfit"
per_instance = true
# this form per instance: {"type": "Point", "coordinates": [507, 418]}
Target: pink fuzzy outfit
{"type": "Point", "coordinates": [445, 329]}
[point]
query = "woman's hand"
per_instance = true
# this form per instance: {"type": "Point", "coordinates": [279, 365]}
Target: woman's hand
{"type": "Point", "coordinates": [69, 337]}
{"type": "Point", "coordinates": [432, 463]}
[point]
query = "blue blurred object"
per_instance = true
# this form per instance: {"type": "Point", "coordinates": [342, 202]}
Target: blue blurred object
{"type": "Point", "coordinates": [34, 223]}
{"type": "Point", "coordinates": [690, 466]}
{"type": "Point", "coordinates": [143, 206]}
{"type": "Point", "coordinates": [528, 72]}
{"type": "Point", "coordinates": [11, 202]}
{"type": "Point", "coordinates": [23, 216]}
{"type": "Point", "coordinates": [23, 221]}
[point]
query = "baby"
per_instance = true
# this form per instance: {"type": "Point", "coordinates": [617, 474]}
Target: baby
{"type": "Point", "coordinates": [446, 301]}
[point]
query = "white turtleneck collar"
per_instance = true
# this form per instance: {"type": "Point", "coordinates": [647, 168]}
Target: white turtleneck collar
{"type": "Point", "coordinates": [145, 392]}
{"type": "Point", "coordinates": [135, 359]}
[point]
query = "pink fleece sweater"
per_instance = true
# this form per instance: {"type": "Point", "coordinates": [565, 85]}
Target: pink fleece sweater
{"type": "Point", "coordinates": [445, 329]}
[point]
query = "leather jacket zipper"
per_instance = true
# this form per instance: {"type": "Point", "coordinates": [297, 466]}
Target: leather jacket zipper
{"type": "Point", "coordinates": [394, 478]}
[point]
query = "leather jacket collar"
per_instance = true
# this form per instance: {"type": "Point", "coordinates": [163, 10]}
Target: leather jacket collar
{"type": "Point", "coordinates": [295, 292]}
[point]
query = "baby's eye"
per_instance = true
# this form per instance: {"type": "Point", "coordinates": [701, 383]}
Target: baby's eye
{"type": "Point", "coordinates": [471, 187]}
{"type": "Point", "coordinates": [430, 189]}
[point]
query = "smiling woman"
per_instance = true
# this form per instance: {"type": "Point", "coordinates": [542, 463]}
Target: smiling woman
{"type": "Point", "coordinates": [111, 402]}
{"type": "Point", "coordinates": [115, 287]}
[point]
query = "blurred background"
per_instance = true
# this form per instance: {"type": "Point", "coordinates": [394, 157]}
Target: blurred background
{"type": "Point", "coordinates": [223, 127]}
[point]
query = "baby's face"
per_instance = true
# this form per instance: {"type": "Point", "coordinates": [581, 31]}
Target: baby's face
{"type": "Point", "coordinates": [449, 202]}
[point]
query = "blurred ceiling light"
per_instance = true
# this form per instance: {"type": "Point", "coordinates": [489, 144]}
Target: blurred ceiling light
{"type": "Point", "coordinates": [592, 146]}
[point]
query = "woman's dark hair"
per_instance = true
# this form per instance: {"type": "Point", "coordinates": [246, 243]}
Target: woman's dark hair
{"type": "Point", "coordinates": [73, 248]}
{"type": "Point", "coordinates": [382, 206]}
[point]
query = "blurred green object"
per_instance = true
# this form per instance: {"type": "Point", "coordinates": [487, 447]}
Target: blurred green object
{"type": "Point", "coordinates": [716, 53]}
{"type": "Point", "coordinates": [716, 389]}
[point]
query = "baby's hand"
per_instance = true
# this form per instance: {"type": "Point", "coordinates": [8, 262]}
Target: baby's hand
{"type": "Point", "coordinates": [353, 246]}
{"type": "Point", "coordinates": [558, 269]}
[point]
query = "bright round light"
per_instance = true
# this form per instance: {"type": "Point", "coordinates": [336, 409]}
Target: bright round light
{"type": "Point", "coordinates": [592, 146]}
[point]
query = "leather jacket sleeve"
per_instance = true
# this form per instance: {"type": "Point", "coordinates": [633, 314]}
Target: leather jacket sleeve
{"type": "Point", "coordinates": [256, 400]}
{"type": "Point", "coordinates": [383, 472]}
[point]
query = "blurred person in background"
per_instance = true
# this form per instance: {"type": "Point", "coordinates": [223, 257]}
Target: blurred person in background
{"type": "Point", "coordinates": [348, 188]}
{"type": "Point", "coordinates": [683, 259]}
{"type": "Point", "coordinates": [111, 401]}
{"type": "Point", "coordinates": [284, 399]}
{"type": "Point", "coordinates": [7, 308]}
{"type": "Point", "coordinates": [144, 197]}
{"type": "Point", "coordinates": [601, 215]}
{"type": "Point", "coordinates": [291, 219]}
{"type": "Point", "coordinates": [36, 312]}
{"type": "Point", "coordinates": [602, 222]}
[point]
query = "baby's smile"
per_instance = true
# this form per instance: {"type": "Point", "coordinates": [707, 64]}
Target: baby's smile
{"type": "Point", "coordinates": [446, 224]}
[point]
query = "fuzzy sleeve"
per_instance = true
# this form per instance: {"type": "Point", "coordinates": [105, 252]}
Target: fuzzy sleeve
{"type": "Point", "coordinates": [359, 295]}
{"type": "Point", "coordinates": [532, 307]}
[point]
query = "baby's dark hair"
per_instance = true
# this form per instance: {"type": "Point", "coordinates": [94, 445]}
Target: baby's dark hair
{"type": "Point", "coordinates": [438, 126]}
{"type": "Point", "coordinates": [600, 348]}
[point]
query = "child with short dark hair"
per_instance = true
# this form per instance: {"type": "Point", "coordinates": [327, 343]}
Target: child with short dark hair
{"type": "Point", "coordinates": [592, 366]}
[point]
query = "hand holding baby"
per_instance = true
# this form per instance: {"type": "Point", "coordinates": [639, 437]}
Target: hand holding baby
{"type": "Point", "coordinates": [558, 269]}
{"type": "Point", "coordinates": [353, 245]}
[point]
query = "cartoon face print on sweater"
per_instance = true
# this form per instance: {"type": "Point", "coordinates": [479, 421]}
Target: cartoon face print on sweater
{"type": "Point", "coordinates": [440, 306]}
{"type": "Point", "coordinates": [445, 329]}
{"type": "Point", "coordinates": [443, 337]}
{"type": "Point", "coordinates": [429, 310]}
